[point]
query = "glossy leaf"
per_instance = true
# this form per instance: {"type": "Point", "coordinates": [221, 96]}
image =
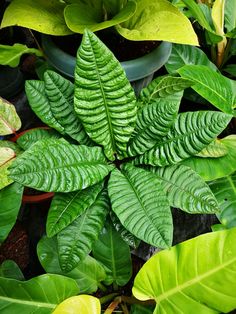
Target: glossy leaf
{"type": "Point", "coordinates": [10, 202]}
{"type": "Point", "coordinates": [218, 16]}
{"type": "Point", "coordinates": [138, 199]}
{"type": "Point", "coordinates": [230, 69]}
{"type": "Point", "coordinates": [114, 254]}
{"type": "Point", "coordinates": [9, 119]}
{"type": "Point", "coordinates": [65, 208]}
{"type": "Point", "coordinates": [9, 269]}
{"type": "Point", "coordinates": [141, 309]}
{"type": "Point", "coordinates": [75, 241]}
{"type": "Point", "coordinates": [208, 287]}
{"type": "Point", "coordinates": [57, 166]}
{"type": "Point", "coordinates": [88, 273]}
{"type": "Point", "coordinates": [186, 190]}
{"type": "Point", "coordinates": [191, 132]}
{"type": "Point", "coordinates": [230, 15]}
{"type": "Point", "coordinates": [215, 149]}
{"type": "Point", "coordinates": [104, 99]}
{"type": "Point", "coordinates": [37, 295]}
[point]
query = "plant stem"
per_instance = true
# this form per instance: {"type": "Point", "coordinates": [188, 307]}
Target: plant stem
{"type": "Point", "coordinates": [115, 286]}
{"type": "Point", "coordinates": [108, 298]}
{"type": "Point", "coordinates": [113, 306]}
{"type": "Point", "coordinates": [102, 287]}
{"type": "Point", "coordinates": [124, 308]}
{"type": "Point", "coordinates": [35, 40]}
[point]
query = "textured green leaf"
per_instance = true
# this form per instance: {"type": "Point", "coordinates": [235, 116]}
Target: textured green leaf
{"type": "Point", "coordinates": [5, 180]}
{"type": "Point", "coordinates": [138, 199]}
{"type": "Point", "coordinates": [9, 269]}
{"type": "Point", "coordinates": [186, 190]}
{"type": "Point", "coordinates": [88, 273]}
{"type": "Point", "coordinates": [196, 274]}
{"type": "Point", "coordinates": [153, 123]}
{"type": "Point", "coordinates": [75, 241]}
{"type": "Point", "coordinates": [114, 254]}
{"type": "Point", "coordinates": [191, 132]}
{"type": "Point", "coordinates": [65, 208]}
{"type": "Point", "coordinates": [9, 119]}
{"type": "Point", "coordinates": [104, 99]}
{"type": "Point", "coordinates": [37, 295]}
{"type": "Point", "coordinates": [10, 202]}
{"type": "Point", "coordinates": [12, 145]}
{"type": "Point", "coordinates": [230, 15]}
{"type": "Point", "coordinates": [55, 165]}
{"type": "Point", "coordinates": [214, 87]}
{"type": "Point", "coordinates": [214, 150]}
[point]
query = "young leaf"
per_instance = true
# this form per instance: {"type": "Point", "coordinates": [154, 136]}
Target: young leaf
{"type": "Point", "coordinates": [57, 166]}
{"type": "Point", "coordinates": [9, 269]}
{"type": "Point", "coordinates": [9, 119]}
{"type": "Point", "coordinates": [104, 99]}
{"type": "Point", "coordinates": [138, 199]}
{"type": "Point", "coordinates": [207, 288]}
{"type": "Point", "coordinates": [215, 149]}
{"type": "Point", "coordinates": [76, 240]}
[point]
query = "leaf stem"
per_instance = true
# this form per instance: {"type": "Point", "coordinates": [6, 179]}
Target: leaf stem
{"type": "Point", "coordinates": [102, 287]}
{"type": "Point", "coordinates": [108, 298]}
{"type": "Point", "coordinates": [113, 306]}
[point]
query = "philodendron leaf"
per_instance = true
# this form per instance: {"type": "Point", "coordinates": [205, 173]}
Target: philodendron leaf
{"type": "Point", "coordinates": [214, 87]}
{"type": "Point", "coordinates": [104, 99]}
{"type": "Point", "coordinates": [42, 16]}
{"type": "Point", "coordinates": [65, 208]}
{"type": "Point", "coordinates": [38, 295]}
{"type": "Point", "coordinates": [88, 273]}
{"type": "Point", "coordinates": [158, 20]}
{"type": "Point", "coordinates": [215, 149]}
{"type": "Point", "coordinates": [205, 285]}
{"type": "Point", "coordinates": [141, 309]}
{"type": "Point", "coordinates": [114, 254]}
{"type": "Point", "coordinates": [186, 190]}
{"type": "Point", "coordinates": [191, 132]}
{"type": "Point", "coordinates": [139, 201]}
{"type": "Point", "coordinates": [83, 304]}
{"type": "Point", "coordinates": [9, 269]}
{"type": "Point", "coordinates": [9, 119]}
{"type": "Point", "coordinates": [75, 241]}
{"type": "Point", "coordinates": [10, 55]}
{"type": "Point", "coordinates": [55, 165]}
{"type": "Point", "coordinates": [230, 15]}
{"type": "Point", "coordinates": [10, 202]}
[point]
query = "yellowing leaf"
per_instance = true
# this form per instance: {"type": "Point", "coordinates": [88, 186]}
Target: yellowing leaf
{"type": "Point", "coordinates": [6, 154]}
{"type": "Point", "coordinates": [9, 120]}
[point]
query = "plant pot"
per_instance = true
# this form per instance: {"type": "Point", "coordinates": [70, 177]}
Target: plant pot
{"type": "Point", "coordinates": [11, 81]}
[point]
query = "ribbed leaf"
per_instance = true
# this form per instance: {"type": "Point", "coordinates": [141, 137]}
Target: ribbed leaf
{"type": "Point", "coordinates": [9, 269]}
{"type": "Point", "coordinates": [214, 150]}
{"type": "Point", "coordinates": [104, 99]}
{"type": "Point", "coordinates": [9, 119]}
{"type": "Point", "coordinates": [196, 276]}
{"type": "Point", "coordinates": [56, 165]}
{"type": "Point", "coordinates": [76, 240]}
{"type": "Point", "coordinates": [114, 254]}
{"type": "Point", "coordinates": [186, 190]}
{"type": "Point", "coordinates": [65, 208]}
{"type": "Point", "coordinates": [191, 132]}
{"type": "Point", "coordinates": [5, 180]}
{"type": "Point", "coordinates": [153, 123]}
{"type": "Point", "coordinates": [138, 199]}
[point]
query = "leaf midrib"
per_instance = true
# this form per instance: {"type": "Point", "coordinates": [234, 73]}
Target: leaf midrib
{"type": "Point", "coordinates": [28, 303]}
{"type": "Point", "coordinates": [169, 85]}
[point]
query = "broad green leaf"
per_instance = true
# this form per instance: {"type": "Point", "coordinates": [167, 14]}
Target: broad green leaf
{"type": "Point", "coordinates": [75, 241]}
{"type": "Point", "coordinates": [225, 193]}
{"type": "Point", "coordinates": [38, 295]}
{"type": "Point", "coordinates": [196, 274]}
{"type": "Point", "coordinates": [5, 180]}
{"type": "Point", "coordinates": [114, 254]}
{"type": "Point", "coordinates": [139, 201]}
{"type": "Point", "coordinates": [41, 15]}
{"type": "Point", "coordinates": [9, 119]}
{"type": "Point", "coordinates": [11, 145]}
{"type": "Point", "coordinates": [141, 309]}
{"type": "Point", "coordinates": [230, 69]}
{"type": "Point", "coordinates": [9, 269]}
{"type": "Point", "coordinates": [10, 202]}
{"type": "Point", "coordinates": [104, 99]}
{"type": "Point", "coordinates": [83, 304]}
{"type": "Point", "coordinates": [212, 86]}
{"type": "Point", "coordinates": [65, 208]}
{"type": "Point", "coordinates": [88, 273]}
{"type": "Point", "coordinates": [231, 34]}
{"type": "Point", "coordinates": [80, 16]}
{"type": "Point", "coordinates": [6, 154]}
{"type": "Point", "coordinates": [158, 20]}
{"type": "Point", "coordinates": [218, 227]}
{"type": "Point", "coordinates": [186, 190]}
{"type": "Point", "coordinates": [214, 168]}
{"type": "Point", "coordinates": [10, 55]}
{"type": "Point", "coordinates": [215, 149]}
{"type": "Point", "coordinates": [218, 16]}
{"type": "Point", "coordinates": [230, 15]}
{"type": "Point", "coordinates": [153, 123]}
{"type": "Point", "coordinates": [191, 132]}
{"type": "Point", "coordinates": [57, 166]}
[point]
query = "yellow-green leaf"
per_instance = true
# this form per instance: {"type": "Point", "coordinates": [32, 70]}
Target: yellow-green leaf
{"type": "Point", "coordinates": [9, 119]}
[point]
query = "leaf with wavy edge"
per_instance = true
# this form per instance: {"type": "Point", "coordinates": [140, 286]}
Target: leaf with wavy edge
{"type": "Point", "coordinates": [206, 285]}
{"type": "Point", "coordinates": [58, 166]}
{"type": "Point", "coordinates": [191, 132]}
{"type": "Point", "coordinates": [104, 99]}
{"type": "Point", "coordinates": [215, 149]}
{"type": "Point", "coordinates": [9, 269]}
{"type": "Point", "coordinates": [65, 208]}
{"type": "Point", "coordinates": [9, 120]}
{"type": "Point", "coordinates": [186, 190]}
{"type": "Point", "coordinates": [138, 199]}
{"type": "Point", "coordinates": [76, 240]}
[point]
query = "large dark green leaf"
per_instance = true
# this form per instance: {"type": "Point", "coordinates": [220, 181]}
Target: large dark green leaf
{"type": "Point", "coordinates": [37, 295]}
{"type": "Point", "coordinates": [104, 99]}
{"type": "Point", "coordinates": [56, 165]}
{"type": "Point", "coordinates": [9, 120]}
{"type": "Point", "coordinates": [138, 199]}
{"type": "Point", "coordinates": [9, 269]}
{"type": "Point", "coordinates": [75, 241]}
{"type": "Point", "coordinates": [66, 207]}
{"type": "Point", "coordinates": [197, 274]}
{"type": "Point", "coordinates": [191, 132]}
{"type": "Point", "coordinates": [114, 254]}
